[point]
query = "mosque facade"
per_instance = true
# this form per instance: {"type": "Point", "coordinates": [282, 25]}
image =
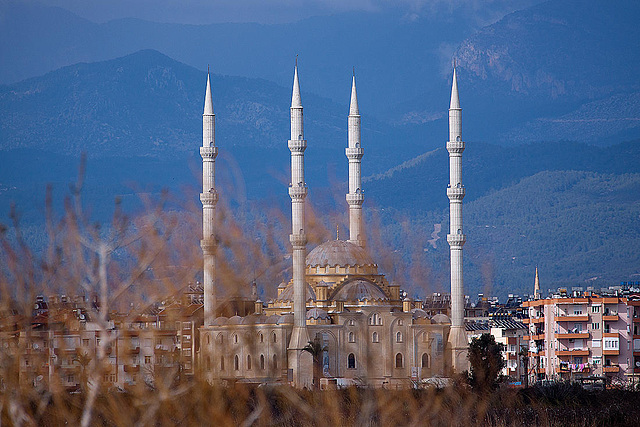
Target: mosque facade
{"type": "Point", "coordinates": [338, 320]}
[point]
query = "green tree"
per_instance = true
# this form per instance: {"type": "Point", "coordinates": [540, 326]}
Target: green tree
{"type": "Point", "coordinates": [316, 349]}
{"type": "Point", "coordinates": [486, 361]}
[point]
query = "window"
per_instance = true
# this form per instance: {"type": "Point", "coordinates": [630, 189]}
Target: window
{"type": "Point", "coordinates": [596, 343]}
{"type": "Point", "coordinates": [352, 337]}
{"type": "Point", "coordinates": [595, 309]}
{"type": "Point", "coordinates": [274, 337]}
{"type": "Point", "coordinates": [374, 337]}
{"type": "Point", "coordinates": [261, 338]}
{"type": "Point", "coordinates": [399, 336]}
{"type": "Point", "coordinates": [220, 339]}
{"type": "Point", "coordinates": [235, 338]}
{"type": "Point", "coordinates": [147, 360]}
{"type": "Point", "coordinates": [375, 319]}
{"type": "Point", "coordinates": [351, 361]}
{"type": "Point", "coordinates": [208, 339]}
{"type": "Point", "coordinates": [399, 361]}
{"type": "Point", "coordinates": [577, 311]}
{"type": "Point", "coordinates": [577, 327]}
{"type": "Point", "coordinates": [425, 360]}
{"type": "Point", "coordinates": [262, 361]}
{"type": "Point", "coordinates": [208, 363]}
{"type": "Point", "coordinates": [595, 326]}
{"type": "Point", "coordinates": [222, 363]}
{"type": "Point", "coordinates": [399, 322]}
{"type": "Point", "coordinates": [248, 362]}
{"type": "Point", "coordinates": [236, 362]}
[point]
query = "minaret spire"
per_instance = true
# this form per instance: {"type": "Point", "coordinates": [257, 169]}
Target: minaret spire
{"type": "Point", "coordinates": [354, 152]}
{"type": "Point", "coordinates": [455, 191]}
{"type": "Point", "coordinates": [209, 199]}
{"type": "Point", "coordinates": [299, 361]}
{"type": "Point", "coordinates": [536, 286]}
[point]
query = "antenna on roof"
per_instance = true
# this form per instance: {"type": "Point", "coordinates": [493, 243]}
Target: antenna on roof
{"type": "Point", "coordinates": [337, 232]}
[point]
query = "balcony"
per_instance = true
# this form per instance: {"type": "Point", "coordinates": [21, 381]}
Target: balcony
{"type": "Point", "coordinates": [535, 321]}
{"type": "Point", "coordinates": [611, 369]}
{"type": "Point", "coordinates": [611, 352]}
{"type": "Point", "coordinates": [577, 352]}
{"type": "Point", "coordinates": [610, 317]}
{"type": "Point", "coordinates": [573, 335]}
{"type": "Point", "coordinates": [563, 318]}
{"type": "Point", "coordinates": [533, 337]}
{"type": "Point", "coordinates": [132, 368]}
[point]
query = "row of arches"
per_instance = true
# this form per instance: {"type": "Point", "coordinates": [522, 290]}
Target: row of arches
{"type": "Point", "coordinates": [248, 365]}
{"type": "Point", "coordinates": [351, 361]}
{"type": "Point", "coordinates": [234, 338]}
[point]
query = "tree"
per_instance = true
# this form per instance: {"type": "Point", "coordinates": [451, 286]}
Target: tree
{"type": "Point", "coordinates": [316, 349]}
{"type": "Point", "coordinates": [524, 358]}
{"type": "Point", "coordinates": [485, 358]}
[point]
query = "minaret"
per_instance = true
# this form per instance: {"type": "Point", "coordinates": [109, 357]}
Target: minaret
{"type": "Point", "coordinates": [299, 361]}
{"type": "Point", "coordinates": [536, 286]}
{"type": "Point", "coordinates": [455, 192]}
{"type": "Point", "coordinates": [355, 196]}
{"type": "Point", "coordinates": [209, 198]}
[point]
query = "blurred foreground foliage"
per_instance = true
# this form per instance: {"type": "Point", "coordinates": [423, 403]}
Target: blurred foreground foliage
{"type": "Point", "coordinates": [199, 403]}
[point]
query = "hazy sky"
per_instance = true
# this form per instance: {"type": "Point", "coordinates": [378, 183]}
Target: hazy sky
{"type": "Point", "coordinates": [262, 11]}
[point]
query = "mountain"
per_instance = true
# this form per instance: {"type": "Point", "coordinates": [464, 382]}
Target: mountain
{"type": "Point", "coordinates": [556, 70]}
{"type": "Point", "coordinates": [579, 228]}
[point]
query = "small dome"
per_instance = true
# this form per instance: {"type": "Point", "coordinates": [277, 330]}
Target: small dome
{"type": "Point", "coordinates": [273, 319]}
{"type": "Point", "coordinates": [340, 253]}
{"type": "Point", "coordinates": [359, 290]}
{"type": "Point", "coordinates": [234, 320]}
{"type": "Point", "coordinates": [254, 319]}
{"type": "Point", "coordinates": [440, 319]}
{"type": "Point", "coordinates": [285, 318]}
{"type": "Point", "coordinates": [219, 321]}
{"type": "Point", "coordinates": [419, 313]}
{"type": "Point", "coordinates": [317, 313]}
{"type": "Point", "coordinates": [287, 294]}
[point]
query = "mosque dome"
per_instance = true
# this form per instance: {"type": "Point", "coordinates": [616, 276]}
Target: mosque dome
{"type": "Point", "coordinates": [317, 314]}
{"type": "Point", "coordinates": [340, 253]}
{"type": "Point", "coordinates": [359, 290]}
{"type": "Point", "coordinates": [440, 319]}
{"type": "Point", "coordinates": [287, 294]}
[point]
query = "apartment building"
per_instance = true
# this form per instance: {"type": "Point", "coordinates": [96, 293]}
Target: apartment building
{"type": "Point", "coordinates": [579, 335]}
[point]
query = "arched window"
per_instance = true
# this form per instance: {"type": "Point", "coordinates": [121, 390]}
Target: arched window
{"type": "Point", "coordinates": [248, 362]}
{"type": "Point", "coordinates": [399, 360]}
{"type": "Point", "coordinates": [351, 361]}
{"type": "Point", "coordinates": [208, 339]}
{"type": "Point", "coordinates": [274, 337]}
{"type": "Point", "coordinates": [374, 337]}
{"type": "Point", "coordinates": [261, 337]}
{"type": "Point", "coordinates": [262, 361]}
{"type": "Point", "coordinates": [236, 363]}
{"type": "Point", "coordinates": [222, 363]}
{"type": "Point", "coordinates": [220, 338]}
{"type": "Point", "coordinates": [235, 338]}
{"type": "Point", "coordinates": [275, 362]}
{"type": "Point", "coordinates": [208, 363]}
{"type": "Point", "coordinates": [375, 319]}
{"type": "Point", "coordinates": [399, 322]}
{"type": "Point", "coordinates": [352, 337]}
{"type": "Point", "coordinates": [399, 336]}
{"type": "Point", "coordinates": [425, 360]}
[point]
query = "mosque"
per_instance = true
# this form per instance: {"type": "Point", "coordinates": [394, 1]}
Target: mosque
{"type": "Point", "coordinates": [338, 320]}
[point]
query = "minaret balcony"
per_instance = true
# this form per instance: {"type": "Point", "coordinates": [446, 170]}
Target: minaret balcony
{"type": "Point", "coordinates": [210, 198]}
{"type": "Point", "coordinates": [456, 239]}
{"type": "Point", "coordinates": [455, 146]}
{"type": "Point", "coordinates": [455, 193]}
{"type": "Point", "coordinates": [209, 152]}
{"type": "Point", "coordinates": [355, 199]}
{"type": "Point", "coordinates": [297, 145]}
{"type": "Point", "coordinates": [208, 245]}
{"type": "Point", "coordinates": [299, 239]}
{"type": "Point", "coordinates": [354, 153]}
{"type": "Point", "coordinates": [298, 192]}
